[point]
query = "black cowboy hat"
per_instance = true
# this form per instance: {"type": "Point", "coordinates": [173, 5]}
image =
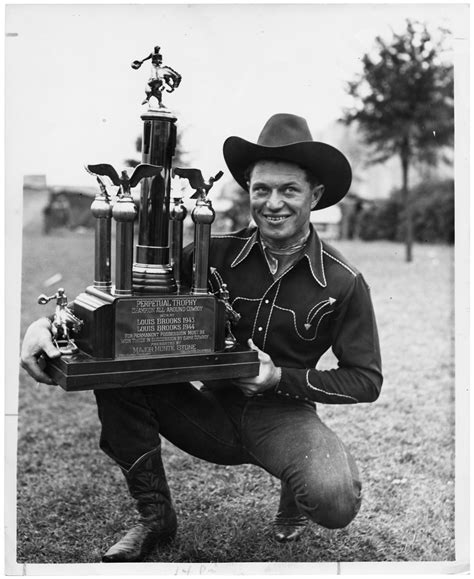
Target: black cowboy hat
{"type": "Point", "coordinates": [287, 138]}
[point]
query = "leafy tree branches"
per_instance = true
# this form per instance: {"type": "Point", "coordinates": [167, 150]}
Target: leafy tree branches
{"type": "Point", "coordinates": [403, 102]}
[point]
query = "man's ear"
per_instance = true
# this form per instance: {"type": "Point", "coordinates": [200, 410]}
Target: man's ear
{"type": "Point", "coordinates": [317, 194]}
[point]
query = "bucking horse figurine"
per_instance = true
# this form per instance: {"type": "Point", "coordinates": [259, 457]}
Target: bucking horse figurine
{"type": "Point", "coordinates": [163, 78]}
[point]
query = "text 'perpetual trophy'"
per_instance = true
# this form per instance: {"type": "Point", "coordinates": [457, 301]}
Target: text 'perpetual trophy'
{"type": "Point", "coordinates": [148, 327]}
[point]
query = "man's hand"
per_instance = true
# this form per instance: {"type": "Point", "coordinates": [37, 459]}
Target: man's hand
{"type": "Point", "coordinates": [38, 341]}
{"type": "Point", "coordinates": [268, 375]}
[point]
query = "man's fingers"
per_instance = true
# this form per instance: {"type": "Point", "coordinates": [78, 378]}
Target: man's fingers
{"type": "Point", "coordinates": [45, 378]}
{"type": "Point", "coordinates": [50, 350]}
{"type": "Point", "coordinates": [246, 391]}
{"type": "Point", "coordinates": [252, 346]}
{"type": "Point", "coordinates": [262, 356]}
{"type": "Point", "coordinates": [36, 343]}
{"type": "Point", "coordinates": [33, 366]}
{"type": "Point", "coordinates": [243, 383]}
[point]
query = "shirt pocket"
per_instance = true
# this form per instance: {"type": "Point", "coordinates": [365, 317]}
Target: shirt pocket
{"type": "Point", "coordinates": [309, 322]}
{"type": "Point", "coordinates": [247, 308]}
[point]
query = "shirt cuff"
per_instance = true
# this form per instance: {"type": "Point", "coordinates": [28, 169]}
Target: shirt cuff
{"type": "Point", "coordinates": [290, 384]}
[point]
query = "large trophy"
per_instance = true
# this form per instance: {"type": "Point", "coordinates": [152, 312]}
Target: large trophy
{"type": "Point", "coordinates": [148, 327]}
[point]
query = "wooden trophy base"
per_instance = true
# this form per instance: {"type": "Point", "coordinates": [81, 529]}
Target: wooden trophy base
{"type": "Point", "coordinates": [79, 371]}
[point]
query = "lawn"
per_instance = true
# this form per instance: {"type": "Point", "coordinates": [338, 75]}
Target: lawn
{"type": "Point", "coordinates": [72, 501]}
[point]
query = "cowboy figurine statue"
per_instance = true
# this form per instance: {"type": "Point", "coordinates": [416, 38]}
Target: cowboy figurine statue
{"type": "Point", "coordinates": [62, 320]}
{"type": "Point", "coordinates": [162, 77]}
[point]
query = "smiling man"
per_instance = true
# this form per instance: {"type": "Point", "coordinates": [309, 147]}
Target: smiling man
{"type": "Point", "coordinates": [297, 297]}
{"type": "Point", "coordinates": [282, 196]}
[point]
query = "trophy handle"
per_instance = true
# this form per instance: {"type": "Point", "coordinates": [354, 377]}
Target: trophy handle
{"type": "Point", "coordinates": [230, 315]}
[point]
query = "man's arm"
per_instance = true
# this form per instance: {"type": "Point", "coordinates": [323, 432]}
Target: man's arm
{"type": "Point", "coordinates": [358, 377]}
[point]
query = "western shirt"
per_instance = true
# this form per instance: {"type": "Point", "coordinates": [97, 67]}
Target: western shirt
{"type": "Point", "coordinates": [321, 302]}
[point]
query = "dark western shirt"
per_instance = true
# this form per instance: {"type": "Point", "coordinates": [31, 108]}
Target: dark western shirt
{"type": "Point", "coordinates": [321, 302]}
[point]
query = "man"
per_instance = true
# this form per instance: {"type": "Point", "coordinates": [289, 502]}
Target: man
{"type": "Point", "coordinates": [297, 297]}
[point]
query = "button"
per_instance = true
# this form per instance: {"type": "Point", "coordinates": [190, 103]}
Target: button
{"type": "Point", "coordinates": [260, 329]}
{"type": "Point", "coordinates": [267, 301]}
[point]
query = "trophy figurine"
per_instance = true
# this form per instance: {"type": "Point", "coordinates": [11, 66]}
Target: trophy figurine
{"type": "Point", "coordinates": [64, 322]}
{"type": "Point", "coordinates": [145, 326]}
{"type": "Point", "coordinates": [163, 78]}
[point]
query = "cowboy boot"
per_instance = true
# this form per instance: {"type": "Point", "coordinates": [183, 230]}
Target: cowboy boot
{"type": "Point", "coordinates": [289, 524]}
{"type": "Point", "coordinates": [157, 522]}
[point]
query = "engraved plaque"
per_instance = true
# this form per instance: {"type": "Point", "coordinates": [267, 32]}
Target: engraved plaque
{"type": "Point", "coordinates": [160, 326]}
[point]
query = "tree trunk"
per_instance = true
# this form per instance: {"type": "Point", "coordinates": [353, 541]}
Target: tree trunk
{"type": "Point", "coordinates": [408, 208]}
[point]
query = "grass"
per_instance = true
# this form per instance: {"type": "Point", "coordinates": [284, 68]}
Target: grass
{"type": "Point", "coordinates": [72, 501]}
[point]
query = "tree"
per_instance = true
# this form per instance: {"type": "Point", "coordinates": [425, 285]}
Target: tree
{"type": "Point", "coordinates": [403, 103]}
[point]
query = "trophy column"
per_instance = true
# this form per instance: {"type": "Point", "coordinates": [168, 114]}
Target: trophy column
{"type": "Point", "coordinates": [178, 215]}
{"type": "Point", "coordinates": [102, 211]}
{"type": "Point", "coordinates": [152, 272]}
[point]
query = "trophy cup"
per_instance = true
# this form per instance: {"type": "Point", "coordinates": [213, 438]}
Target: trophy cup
{"type": "Point", "coordinates": [148, 327]}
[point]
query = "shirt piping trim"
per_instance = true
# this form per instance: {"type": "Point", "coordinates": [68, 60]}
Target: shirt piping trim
{"type": "Point", "coordinates": [256, 316]}
{"type": "Point", "coordinates": [261, 299]}
{"type": "Point", "coordinates": [296, 327]}
{"type": "Point", "coordinates": [245, 299]}
{"type": "Point", "coordinates": [320, 319]}
{"type": "Point", "coordinates": [321, 283]}
{"type": "Point", "coordinates": [245, 250]}
{"type": "Point", "coordinates": [270, 314]}
{"type": "Point", "coordinates": [325, 392]}
{"type": "Point", "coordinates": [318, 307]}
{"type": "Point", "coordinates": [340, 263]}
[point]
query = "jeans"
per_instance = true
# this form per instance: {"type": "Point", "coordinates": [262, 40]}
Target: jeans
{"type": "Point", "coordinates": [284, 436]}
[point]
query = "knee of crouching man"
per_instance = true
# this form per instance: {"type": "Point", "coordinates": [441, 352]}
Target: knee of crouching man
{"type": "Point", "coordinates": [333, 509]}
{"type": "Point", "coordinates": [340, 516]}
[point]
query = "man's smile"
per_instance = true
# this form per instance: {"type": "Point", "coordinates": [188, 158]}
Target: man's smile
{"type": "Point", "coordinates": [276, 218]}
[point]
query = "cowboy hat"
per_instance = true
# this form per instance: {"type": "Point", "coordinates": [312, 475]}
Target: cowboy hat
{"type": "Point", "coordinates": [287, 138]}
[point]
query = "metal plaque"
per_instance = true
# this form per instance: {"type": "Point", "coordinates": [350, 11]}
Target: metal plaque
{"type": "Point", "coordinates": [160, 326]}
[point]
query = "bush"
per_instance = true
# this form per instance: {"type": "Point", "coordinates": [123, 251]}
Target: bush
{"type": "Point", "coordinates": [380, 220]}
{"type": "Point", "coordinates": [433, 215]}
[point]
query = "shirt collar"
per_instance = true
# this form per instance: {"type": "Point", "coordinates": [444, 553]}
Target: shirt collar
{"type": "Point", "coordinates": [243, 253]}
{"type": "Point", "coordinates": [313, 253]}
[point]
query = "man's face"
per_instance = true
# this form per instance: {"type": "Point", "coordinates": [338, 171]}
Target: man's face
{"type": "Point", "coordinates": [281, 199]}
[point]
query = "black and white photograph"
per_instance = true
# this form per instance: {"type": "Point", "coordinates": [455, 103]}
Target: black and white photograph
{"type": "Point", "coordinates": [237, 272]}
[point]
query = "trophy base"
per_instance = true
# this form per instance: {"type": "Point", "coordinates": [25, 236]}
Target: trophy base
{"type": "Point", "coordinates": [79, 371]}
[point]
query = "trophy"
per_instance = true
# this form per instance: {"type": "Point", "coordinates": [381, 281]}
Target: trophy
{"type": "Point", "coordinates": [148, 327]}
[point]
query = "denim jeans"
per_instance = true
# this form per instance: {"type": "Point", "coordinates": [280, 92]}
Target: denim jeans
{"type": "Point", "coordinates": [282, 435]}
